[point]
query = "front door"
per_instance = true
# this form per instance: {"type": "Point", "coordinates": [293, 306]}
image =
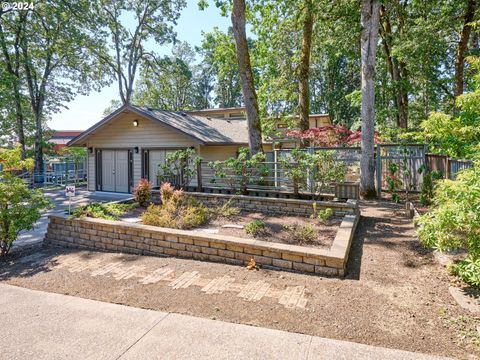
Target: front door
{"type": "Point", "coordinates": [115, 170]}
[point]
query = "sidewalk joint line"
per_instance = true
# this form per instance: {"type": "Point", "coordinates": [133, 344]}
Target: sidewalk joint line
{"type": "Point", "coordinates": [309, 347]}
{"type": "Point", "coordinates": [143, 335]}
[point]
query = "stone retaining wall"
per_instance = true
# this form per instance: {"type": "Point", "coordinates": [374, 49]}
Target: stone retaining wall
{"type": "Point", "coordinates": [272, 206]}
{"type": "Point", "coordinates": [125, 237]}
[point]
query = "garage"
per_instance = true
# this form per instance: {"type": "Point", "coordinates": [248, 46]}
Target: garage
{"type": "Point", "coordinates": [114, 170]}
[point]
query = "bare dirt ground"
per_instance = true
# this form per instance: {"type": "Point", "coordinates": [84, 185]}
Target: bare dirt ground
{"type": "Point", "coordinates": [275, 228]}
{"type": "Point", "coordinates": [395, 294]}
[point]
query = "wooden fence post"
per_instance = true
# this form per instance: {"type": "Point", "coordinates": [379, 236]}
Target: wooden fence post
{"type": "Point", "coordinates": [199, 176]}
{"type": "Point", "coordinates": [379, 172]}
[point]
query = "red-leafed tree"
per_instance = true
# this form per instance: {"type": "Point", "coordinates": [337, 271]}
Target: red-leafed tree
{"type": "Point", "coordinates": [329, 135]}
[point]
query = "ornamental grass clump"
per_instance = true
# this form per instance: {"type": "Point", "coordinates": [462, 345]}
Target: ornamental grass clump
{"type": "Point", "coordinates": [302, 233]}
{"type": "Point", "coordinates": [102, 211]}
{"type": "Point", "coordinates": [177, 210]}
{"type": "Point", "coordinates": [454, 222]}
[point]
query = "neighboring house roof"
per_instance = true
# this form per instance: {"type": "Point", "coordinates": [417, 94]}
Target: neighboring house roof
{"type": "Point", "coordinates": [203, 130]}
{"type": "Point", "coordinates": [66, 134]}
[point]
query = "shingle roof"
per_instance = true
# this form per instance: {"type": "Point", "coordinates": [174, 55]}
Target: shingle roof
{"type": "Point", "coordinates": [203, 129]}
{"type": "Point", "coordinates": [209, 130]}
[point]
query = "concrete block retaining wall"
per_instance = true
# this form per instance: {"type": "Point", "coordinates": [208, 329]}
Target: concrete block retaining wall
{"type": "Point", "coordinates": [272, 206]}
{"type": "Point", "coordinates": [125, 237]}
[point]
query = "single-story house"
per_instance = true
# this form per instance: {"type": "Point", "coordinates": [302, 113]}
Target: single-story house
{"type": "Point", "coordinates": [132, 141]}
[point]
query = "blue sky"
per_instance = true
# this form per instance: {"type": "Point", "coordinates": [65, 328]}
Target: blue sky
{"type": "Point", "coordinates": [85, 111]}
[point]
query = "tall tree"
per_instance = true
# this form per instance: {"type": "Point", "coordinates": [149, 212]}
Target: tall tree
{"type": "Point", "coordinates": [246, 77]}
{"type": "Point", "coordinates": [153, 19]}
{"type": "Point", "coordinates": [10, 47]}
{"type": "Point", "coordinates": [396, 67]}
{"type": "Point", "coordinates": [219, 59]}
{"type": "Point", "coordinates": [370, 23]}
{"type": "Point", "coordinates": [462, 47]}
{"type": "Point", "coordinates": [304, 66]}
{"type": "Point", "coordinates": [56, 62]}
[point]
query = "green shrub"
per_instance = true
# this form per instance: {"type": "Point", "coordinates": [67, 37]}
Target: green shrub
{"type": "Point", "coordinates": [143, 192]}
{"type": "Point", "coordinates": [241, 171]}
{"type": "Point", "coordinates": [20, 207]}
{"type": "Point", "coordinates": [468, 270]}
{"type": "Point", "coordinates": [324, 215]}
{"type": "Point", "coordinates": [181, 165]}
{"type": "Point", "coordinates": [393, 181]}
{"type": "Point", "coordinates": [102, 211]}
{"type": "Point", "coordinates": [454, 221]}
{"type": "Point", "coordinates": [428, 186]}
{"type": "Point", "coordinates": [302, 234]}
{"type": "Point", "coordinates": [177, 210]}
{"type": "Point", "coordinates": [255, 227]}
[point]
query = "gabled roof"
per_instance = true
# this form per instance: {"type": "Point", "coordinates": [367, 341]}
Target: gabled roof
{"type": "Point", "coordinates": [203, 130]}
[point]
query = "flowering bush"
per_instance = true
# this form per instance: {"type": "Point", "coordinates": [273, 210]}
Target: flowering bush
{"type": "Point", "coordinates": [143, 192]}
{"type": "Point", "coordinates": [329, 135]}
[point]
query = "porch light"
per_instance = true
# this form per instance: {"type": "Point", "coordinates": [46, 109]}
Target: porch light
{"type": "Point", "coordinates": [136, 149]}
{"type": "Point", "coordinates": [135, 122]}
{"type": "Point", "coordinates": [90, 150]}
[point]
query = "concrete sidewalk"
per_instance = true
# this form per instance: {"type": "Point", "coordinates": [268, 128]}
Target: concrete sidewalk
{"type": "Point", "coordinates": [40, 325]}
{"type": "Point", "coordinates": [60, 201]}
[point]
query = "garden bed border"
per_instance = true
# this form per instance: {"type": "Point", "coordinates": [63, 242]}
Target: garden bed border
{"type": "Point", "coordinates": [271, 205]}
{"type": "Point", "coordinates": [107, 235]}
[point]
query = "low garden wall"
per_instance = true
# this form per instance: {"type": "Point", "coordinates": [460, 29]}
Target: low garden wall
{"type": "Point", "coordinates": [125, 237]}
{"type": "Point", "coordinates": [271, 206]}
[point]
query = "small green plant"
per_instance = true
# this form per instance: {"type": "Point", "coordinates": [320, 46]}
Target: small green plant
{"type": "Point", "coordinates": [226, 210]}
{"type": "Point", "coordinates": [468, 270]}
{"type": "Point", "coordinates": [428, 185]}
{"type": "Point", "coordinates": [393, 181]}
{"type": "Point", "coordinates": [302, 233]}
{"type": "Point", "coordinates": [181, 165]}
{"type": "Point", "coordinates": [296, 166]}
{"type": "Point", "coordinates": [324, 215]}
{"type": "Point", "coordinates": [326, 171]}
{"type": "Point", "coordinates": [241, 171]}
{"type": "Point", "coordinates": [143, 192]}
{"type": "Point", "coordinates": [255, 227]}
{"type": "Point", "coordinates": [102, 211]}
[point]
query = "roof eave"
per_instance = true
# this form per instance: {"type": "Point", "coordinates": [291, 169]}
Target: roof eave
{"type": "Point", "coordinates": [76, 141]}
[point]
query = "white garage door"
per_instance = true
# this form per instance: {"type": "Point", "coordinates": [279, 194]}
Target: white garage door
{"type": "Point", "coordinates": [115, 170]}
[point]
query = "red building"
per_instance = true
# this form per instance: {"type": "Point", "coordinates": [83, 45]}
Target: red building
{"type": "Point", "coordinates": [61, 137]}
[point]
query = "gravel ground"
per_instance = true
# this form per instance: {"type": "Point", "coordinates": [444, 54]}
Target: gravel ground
{"type": "Point", "coordinates": [395, 295]}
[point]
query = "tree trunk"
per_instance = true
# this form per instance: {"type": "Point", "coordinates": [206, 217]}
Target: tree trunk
{"type": "Point", "coordinates": [38, 142]}
{"type": "Point", "coordinates": [246, 77]}
{"type": "Point", "coordinates": [369, 36]}
{"type": "Point", "coordinates": [463, 46]}
{"type": "Point", "coordinates": [13, 68]}
{"type": "Point", "coordinates": [395, 70]}
{"type": "Point", "coordinates": [304, 67]}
